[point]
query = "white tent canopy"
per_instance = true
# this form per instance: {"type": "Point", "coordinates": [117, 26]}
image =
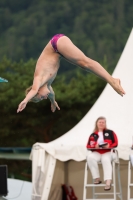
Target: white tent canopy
{"type": "Point", "coordinates": [72, 145]}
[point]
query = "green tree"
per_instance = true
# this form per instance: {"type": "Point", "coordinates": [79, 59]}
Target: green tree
{"type": "Point", "coordinates": [97, 27]}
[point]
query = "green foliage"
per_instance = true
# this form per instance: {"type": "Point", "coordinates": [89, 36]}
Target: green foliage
{"type": "Point", "coordinates": [97, 27]}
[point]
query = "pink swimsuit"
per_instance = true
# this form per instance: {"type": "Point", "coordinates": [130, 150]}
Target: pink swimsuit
{"type": "Point", "coordinates": [54, 41]}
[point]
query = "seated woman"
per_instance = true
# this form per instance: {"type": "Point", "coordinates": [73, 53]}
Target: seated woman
{"type": "Point", "coordinates": [100, 143]}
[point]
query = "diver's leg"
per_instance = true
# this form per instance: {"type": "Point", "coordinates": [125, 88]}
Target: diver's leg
{"type": "Point", "coordinates": [77, 57]}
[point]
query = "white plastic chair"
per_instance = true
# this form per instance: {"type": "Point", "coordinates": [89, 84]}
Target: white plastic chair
{"type": "Point", "coordinates": [115, 165]}
{"type": "Point", "coordinates": [130, 184]}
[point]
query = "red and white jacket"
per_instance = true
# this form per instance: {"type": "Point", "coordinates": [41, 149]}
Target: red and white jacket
{"type": "Point", "coordinates": [109, 136]}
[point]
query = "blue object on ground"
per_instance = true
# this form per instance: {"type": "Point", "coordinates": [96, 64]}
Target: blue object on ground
{"type": "Point", "coordinates": [3, 80]}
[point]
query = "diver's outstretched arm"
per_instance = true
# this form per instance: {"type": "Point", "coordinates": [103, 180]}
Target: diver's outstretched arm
{"type": "Point", "coordinates": [35, 87]}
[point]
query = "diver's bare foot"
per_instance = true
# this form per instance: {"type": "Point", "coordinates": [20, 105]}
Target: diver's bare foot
{"type": "Point", "coordinates": [116, 84]}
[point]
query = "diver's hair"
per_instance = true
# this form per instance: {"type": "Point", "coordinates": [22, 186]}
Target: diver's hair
{"type": "Point", "coordinates": [99, 118]}
{"type": "Point", "coordinates": [34, 98]}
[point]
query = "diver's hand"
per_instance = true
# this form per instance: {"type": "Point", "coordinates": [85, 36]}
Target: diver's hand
{"type": "Point", "coordinates": [116, 84]}
{"type": "Point", "coordinates": [54, 105]}
{"type": "Point", "coordinates": [22, 106]}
